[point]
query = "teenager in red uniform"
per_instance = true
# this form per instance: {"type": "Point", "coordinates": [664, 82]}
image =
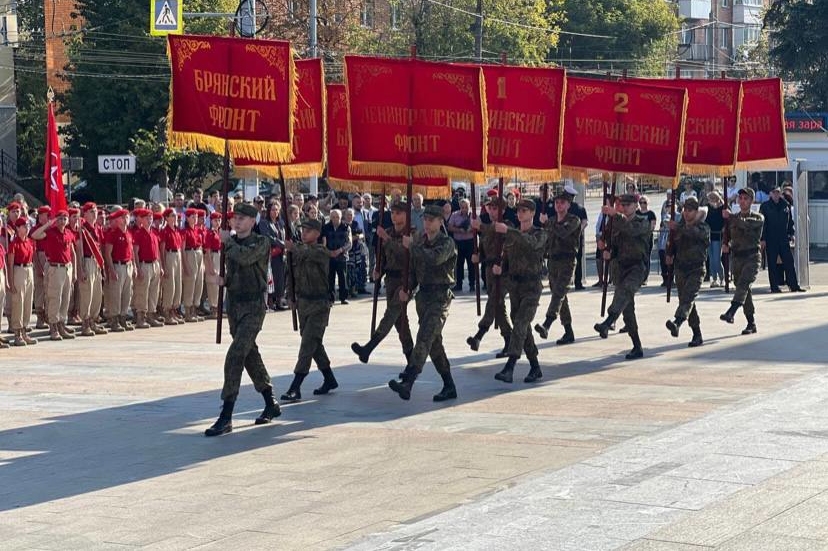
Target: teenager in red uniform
{"type": "Point", "coordinates": [119, 269]}
{"type": "Point", "coordinates": [21, 282]}
{"type": "Point", "coordinates": [40, 265]}
{"type": "Point", "coordinates": [148, 270]}
{"type": "Point", "coordinates": [90, 271]}
{"type": "Point", "coordinates": [171, 245]}
{"type": "Point", "coordinates": [74, 226]}
{"type": "Point", "coordinates": [192, 266]}
{"type": "Point", "coordinates": [3, 276]}
{"type": "Point", "coordinates": [60, 255]}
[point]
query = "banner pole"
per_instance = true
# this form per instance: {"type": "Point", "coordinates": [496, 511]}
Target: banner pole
{"type": "Point", "coordinates": [289, 256]}
{"type": "Point", "coordinates": [476, 249]}
{"type": "Point", "coordinates": [378, 264]}
{"type": "Point", "coordinates": [225, 187]}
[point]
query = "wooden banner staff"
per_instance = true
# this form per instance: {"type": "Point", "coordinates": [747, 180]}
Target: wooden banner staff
{"type": "Point", "coordinates": [378, 263]}
{"type": "Point", "coordinates": [725, 237]}
{"type": "Point", "coordinates": [498, 253]}
{"type": "Point", "coordinates": [409, 191]}
{"type": "Point", "coordinates": [476, 250]}
{"type": "Point", "coordinates": [606, 235]}
{"type": "Point", "coordinates": [671, 247]}
{"type": "Point", "coordinates": [289, 255]}
{"type": "Point", "coordinates": [225, 187]}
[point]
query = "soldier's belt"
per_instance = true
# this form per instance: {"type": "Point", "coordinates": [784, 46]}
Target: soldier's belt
{"type": "Point", "coordinates": [435, 287]}
{"type": "Point", "coordinates": [748, 252]}
{"type": "Point", "coordinates": [525, 278]}
{"type": "Point", "coordinates": [322, 296]}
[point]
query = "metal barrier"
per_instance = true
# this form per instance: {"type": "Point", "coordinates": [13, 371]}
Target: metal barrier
{"type": "Point", "coordinates": [8, 167]}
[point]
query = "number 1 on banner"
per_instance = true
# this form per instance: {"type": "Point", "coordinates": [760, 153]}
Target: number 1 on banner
{"type": "Point", "coordinates": [501, 88]}
{"type": "Point", "coordinates": [621, 101]}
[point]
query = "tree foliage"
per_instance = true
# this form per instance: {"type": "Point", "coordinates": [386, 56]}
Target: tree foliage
{"type": "Point", "coordinates": [799, 33]}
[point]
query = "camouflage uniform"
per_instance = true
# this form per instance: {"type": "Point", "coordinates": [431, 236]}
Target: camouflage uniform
{"type": "Point", "coordinates": [562, 245]}
{"type": "Point", "coordinates": [310, 267]}
{"type": "Point", "coordinates": [690, 242]}
{"type": "Point", "coordinates": [745, 233]}
{"type": "Point", "coordinates": [524, 255]}
{"type": "Point", "coordinates": [495, 309]}
{"type": "Point", "coordinates": [245, 281]}
{"type": "Point", "coordinates": [394, 256]}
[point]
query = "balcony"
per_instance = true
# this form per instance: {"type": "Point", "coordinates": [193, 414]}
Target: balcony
{"type": "Point", "coordinates": [744, 14]}
{"type": "Point", "coordinates": [694, 52]}
{"type": "Point", "coordinates": [694, 9]}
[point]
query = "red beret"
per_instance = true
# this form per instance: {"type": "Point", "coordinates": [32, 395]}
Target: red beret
{"type": "Point", "coordinates": [88, 206]}
{"type": "Point", "coordinates": [491, 193]}
{"type": "Point", "coordinates": [169, 212]}
{"type": "Point", "coordinates": [46, 209]}
{"type": "Point", "coordinates": [192, 212]}
{"type": "Point", "coordinates": [73, 211]}
{"type": "Point", "coordinates": [118, 213]}
{"type": "Point", "coordinates": [20, 222]}
{"type": "Point", "coordinates": [14, 205]}
{"type": "Point", "coordinates": [140, 213]}
{"type": "Point", "coordinates": [215, 216]}
{"type": "Point", "coordinates": [61, 212]}
{"type": "Point", "coordinates": [157, 216]}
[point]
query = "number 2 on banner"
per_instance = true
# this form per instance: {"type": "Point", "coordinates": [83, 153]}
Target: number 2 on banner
{"type": "Point", "coordinates": [621, 101]}
{"type": "Point", "coordinates": [501, 88]}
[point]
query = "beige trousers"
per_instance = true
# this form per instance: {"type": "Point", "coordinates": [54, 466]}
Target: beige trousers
{"type": "Point", "coordinates": [192, 285]}
{"type": "Point", "coordinates": [90, 291]}
{"type": "Point", "coordinates": [212, 289]}
{"type": "Point", "coordinates": [40, 283]}
{"type": "Point", "coordinates": [145, 297]}
{"type": "Point", "coordinates": [119, 291]}
{"type": "Point", "coordinates": [58, 292]}
{"type": "Point", "coordinates": [21, 299]}
{"type": "Point", "coordinates": [3, 297]}
{"type": "Point", "coordinates": [171, 282]}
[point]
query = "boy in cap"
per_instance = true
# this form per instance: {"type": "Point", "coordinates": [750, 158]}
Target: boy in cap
{"type": "Point", "coordinates": [40, 266]}
{"type": "Point", "coordinates": [394, 258]}
{"type": "Point", "coordinates": [90, 278]}
{"type": "Point", "coordinates": [60, 252]}
{"type": "Point", "coordinates": [171, 244]}
{"type": "Point", "coordinates": [433, 257]}
{"type": "Point", "coordinates": [147, 270]}
{"type": "Point", "coordinates": [627, 245]}
{"type": "Point", "coordinates": [118, 256]}
{"type": "Point", "coordinates": [745, 234]}
{"type": "Point", "coordinates": [691, 239]}
{"type": "Point", "coordinates": [212, 256]}
{"type": "Point", "coordinates": [308, 282]}
{"type": "Point", "coordinates": [21, 283]}
{"type": "Point", "coordinates": [246, 255]}
{"type": "Point", "coordinates": [192, 266]}
{"type": "Point", "coordinates": [563, 242]}
{"type": "Point", "coordinates": [524, 247]}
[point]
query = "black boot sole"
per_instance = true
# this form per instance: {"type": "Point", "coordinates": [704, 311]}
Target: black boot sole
{"type": "Point", "coordinates": [749, 331]}
{"type": "Point", "coordinates": [213, 432]}
{"type": "Point", "coordinates": [505, 377]}
{"type": "Point", "coordinates": [473, 343]}
{"type": "Point", "coordinates": [634, 354]}
{"type": "Point", "coordinates": [400, 389]}
{"type": "Point", "coordinates": [357, 349]}
{"type": "Point", "coordinates": [601, 330]}
{"type": "Point", "coordinates": [325, 388]}
{"type": "Point", "coordinates": [694, 343]}
{"type": "Point", "coordinates": [264, 419]}
{"type": "Point", "coordinates": [674, 330]}
{"type": "Point", "coordinates": [565, 340]}
{"type": "Point", "coordinates": [542, 331]}
{"type": "Point", "coordinates": [291, 398]}
{"type": "Point", "coordinates": [443, 396]}
{"type": "Point", "coordinates": [533, 377]}
{"type": "Point", "coordinates": [725, 317]}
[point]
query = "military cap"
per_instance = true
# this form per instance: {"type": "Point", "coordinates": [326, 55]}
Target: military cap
{"type": "Point", "coordinates": [14, 205]}
{"type": "Point", "coordinates": [691, 203]}
{"type": "Point", "coordinates": [564, 196]}
{"type": "Point", "coordinates": [46, 209]}
{"type": "Point", "coordinates": [398, 205]}
{"type": "Point", "coordinates": [433, 211]}
{"type": "Point", "coordinates": [492, 193]}
{"type": "Point", "coordinates": [194, 212]}
{"type": "Point", "coordinates": [626, 198]}
{"type": "Point", "coordinates": [140, 213]}
{"type": "Point", "coordinates": [215, 215]}
{"type": "Point", "coordinates": [61, 212]}
{"type": "Point", "coordinates": [157, 216]}
{"type": "Point", "coordinates": [118, 213]}
{"type": "Point", "coordinates": [312, 224]}
{"type": "Point", "coordinates": [243, 209]}
{"type": "Point", "coordinates": [169, 212]}
{"type": "Point", "coordinates": [749, 192]}
{"type": "Point", "coordinates": [89, 205]}
{"type": "Point", "coordinates": [20, 222]}
{"type": "Point", "coordinates": [73, 211]}
{"type": "Point", "coordinates": [526, 204]}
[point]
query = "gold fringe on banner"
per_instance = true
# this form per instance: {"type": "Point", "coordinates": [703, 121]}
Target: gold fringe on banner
{"type": "Point", "coordinates": [428, 192]}
{"type": "Point", "coordinates": [764, 164]}
{"type": "Point", "coordinates": [708, 170]}
{"type": "Point", "coordinates": [527, 174]}
{"type": "Point", "coordinates": [397, 170]}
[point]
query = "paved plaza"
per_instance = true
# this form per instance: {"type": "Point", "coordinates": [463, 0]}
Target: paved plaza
{"type": "Point", "coordinates": [724, 446]}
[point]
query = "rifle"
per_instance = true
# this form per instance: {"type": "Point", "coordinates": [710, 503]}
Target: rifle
{"type": "Point", "coordinates": [476, 249]}
{"type": "Point", "coordinates": [725, 239]}
{"type": "Point", "coordinates": [671, 246]}
{"type": "Point", "coordinates": [377, 263]}
{"type": "Point", "coordinates": [606, 231]}
{"type": "Point", "coordinates": [498, 253]}
{"type": "Point", "coordinates": [289, 255]}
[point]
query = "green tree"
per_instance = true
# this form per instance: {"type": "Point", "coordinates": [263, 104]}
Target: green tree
{"type": "Point", "coordinates": [638, 31]}
{"type": "Point", "coordinates": [799, 32]}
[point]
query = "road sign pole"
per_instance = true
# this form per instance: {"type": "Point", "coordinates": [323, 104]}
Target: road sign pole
{"type": "Point", "coordinates": [118, 181]}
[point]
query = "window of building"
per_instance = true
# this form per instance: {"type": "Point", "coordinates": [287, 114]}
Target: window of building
{"type": "Point", "coordinates": [291, 8]}
{"type": "Point", "coordinates": [724, 3]}
{"type": "Point", "coordinates": [366, 14]}
{"type": "Point", "coordinates": [723, 38]}
{"type": "Point", "coordinates": [395, 16]}
{"type": "Point", "coordinates": [686, 34]}
{"type": "Point", "coordinates": [752, 33]}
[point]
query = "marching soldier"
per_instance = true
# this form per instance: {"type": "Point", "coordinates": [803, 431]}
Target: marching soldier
{"type": "Point", "coordinates": [60, 252]}
{"type": "Point", "coordinates": [147, 270]}
{"type": "Point", "coordinates": [525, 246]}
{"type": "Point", "coordinates": [192, 267]}
{"type": "Point", "coordinates": [90, 276]}
{"type": "Point", "coordinates": [394, 258]}
{"type": "Point", "coordinates": [247, 255]}
{"type": "Point", "coordinates": [21, 283]}
{"type": "Point", "coordinates": [308, 283]}
{"type": "Point", "coordinates": [40, 266]}
{"type": "Point", "coordinates": [171, 243]}
{"type": "Point", "coordinates": [212, 258]}
{"type": "Point", "coordinates": [495, 305]}
{"type": "Point", "coordinates": [628, 246]}
{"type": "Point", "coordinates": [691, 238]}
{"type": "Point", "coordinates": [118, 255]}
{"type": "Point", "coordinates": [563, 244]}
{"type": "Point", "coordinates": [433, 257]}
{"type": "Point", "coordinates": [745, 232]}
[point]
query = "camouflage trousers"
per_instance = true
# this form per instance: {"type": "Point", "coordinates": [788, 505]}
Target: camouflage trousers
{"type": "Point", "coordinates": [524, 298]}
{"type": "Point", "coordinates": [432, 310]}
{"type": "Point", "coordinates": [688, 283]}
{"type": "Point", "coordinates": [495, 305]}
{"type": "Point", "coordinates": [745, 270]}
{"type": "Point", "coordinates": [627, 283]}
{"type": "Point", "coordinates": [560, 276]}
{"type": "Point", "coordinates": [393, 316]}
{"type": "Point", "coordinates": [245, 320]}
{"type": "Point", "coordinates": [313, 320]}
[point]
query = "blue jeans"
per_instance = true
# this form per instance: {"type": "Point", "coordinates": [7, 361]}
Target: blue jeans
{"type": "Point", "coordinates": [714, 253]}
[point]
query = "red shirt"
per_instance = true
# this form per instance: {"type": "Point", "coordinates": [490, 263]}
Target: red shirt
{"type": "Point", "coordinates": [40, 246]}
{"type": "Point", "coordinates": [121, 242]}
{"type": "Point", "coordinates": [147, 243]}
{"type": "Point", "coordinates": [96, 234]}
{"type": "Point", "coordinates": [193, 238]}
{"type": "Point", "coordinates": [171, 238]}
{"type": "Point", "coordinates": [23, 250]}
{"type": "Point", "coordinates": [212, 241]}
{"type": "Point", "coordinates": [58, 245]}
{"type": "Point", "coordinates": [3, 255]}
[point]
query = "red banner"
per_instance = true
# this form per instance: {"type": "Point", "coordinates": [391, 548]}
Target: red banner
{"type": "Point", "coordinates": [308, 127]}
{"type": "Point", "coordinates": [762, 142]}
{"type": "Point", "coordinates": [525, 108]}
{"type": "Point", "coordinates": [407, 113]}
{"type": "Point", "coordinates": [233, 89]}
{"type": "Point", "coordinates": [623, 127]}
{"type": "Point", "coordinates": [711, 132]}
{"type": "Point", "coordinates": [53, 171]}
{"type": "Point", "coordinates": [338, 165]}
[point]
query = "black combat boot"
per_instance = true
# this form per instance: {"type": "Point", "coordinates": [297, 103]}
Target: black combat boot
{"type": "Point", "coordinates": [449, 391]}
{"type": "Point", "coordinates": [271, 409]}
{"type": "Point", "coordinates": [728, 316]}
{"type": "Point", "coordinates": [605, 326]}
{"type": "Point", "coordinates": [328, 384]}
{"type": "Point", "coordinates": [224, 423]}
{"type": "Point", "coordinates": [697, 338]}
{"type": "Point", "coordinates": [364, 352]}
{"type": "Point", "coordinates": [403, 386]}
{"type": "Point", "coordinates": [535, 374]}
{"type": "Point", "coordinates": [543, 328]}
{"type": "Point", "coordinates": [505, 352]}
{"type": "Point", "coordinates": [294, 393]}
{"type": "Point", "coordinates": [636, 351]}
{"type": "Point", "coordinates": [505, 374]}
{"type": "Point", "coordinates": [751, 326]}
{"type": "Point", "coordinates": [568, 336]}
{"type": "Point", "coordinates": [673, 326]}
{"type": "Point", "coordinates": [474, 342]}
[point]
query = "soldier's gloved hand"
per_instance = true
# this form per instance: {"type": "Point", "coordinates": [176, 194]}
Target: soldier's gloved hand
{"type": "Point", "coordinates": [475, 258]}
{"type": "Point", "coordinates": [383, 234]}
{"type": "Point", "coordinates": [406, 241]}
{"type": "Point", "coordinates": [601, 245]}
{"type": "Point", "coordinates": [607, 255]}
{"type": "Point", "coordinates": [500, 227]}
{"type": "Point", "coordinates": [497, 269]}
{"type": "Point", "coordinates": [544, 218]}
{"type": "Point", "coordinates": [475, 224]}
{"type": "Point", "coordinates": [375, 276]}
{"type": "Point", "coordinates": [403, 295]}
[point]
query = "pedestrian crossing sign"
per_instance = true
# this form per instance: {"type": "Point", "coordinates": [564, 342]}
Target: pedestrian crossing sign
{"type": "Point", "coordinates": [166, 16]}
